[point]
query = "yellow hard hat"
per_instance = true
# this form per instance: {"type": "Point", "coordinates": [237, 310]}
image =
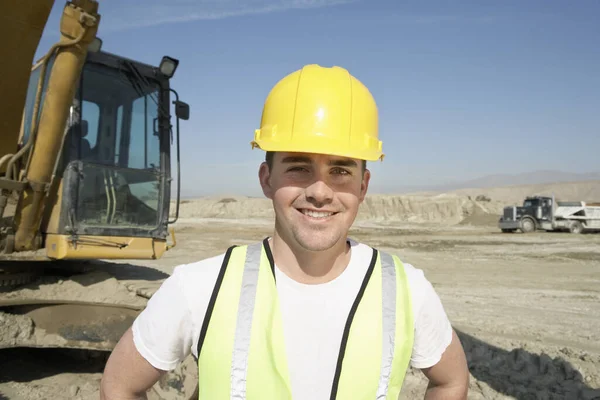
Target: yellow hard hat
{"type": "Point", "coordinates": [320, 110]}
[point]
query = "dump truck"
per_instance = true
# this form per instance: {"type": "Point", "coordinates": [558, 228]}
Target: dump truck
{"type": "Point", "coordinates": [85, 162]}
{"type": "Point", "coordinates": [545, 213]}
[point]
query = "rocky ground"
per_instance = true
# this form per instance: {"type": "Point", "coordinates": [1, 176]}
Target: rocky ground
{"type": "Point", "coordinates": [526, 307]}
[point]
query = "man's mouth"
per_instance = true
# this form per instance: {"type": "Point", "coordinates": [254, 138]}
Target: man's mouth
{"type": "Point", "coordinates": [316, 214]}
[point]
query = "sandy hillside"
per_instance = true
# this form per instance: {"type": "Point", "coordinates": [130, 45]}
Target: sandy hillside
{"type": "Point", "coordinates": [459, 207]}
{"type": "Point", "coordinates": [570, 191]}
{"type": "Point", "coordinates": [441, 209]}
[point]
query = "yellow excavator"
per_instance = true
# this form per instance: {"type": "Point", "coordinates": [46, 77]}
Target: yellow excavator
{"type": "Point", "coordinates": [85, 176]}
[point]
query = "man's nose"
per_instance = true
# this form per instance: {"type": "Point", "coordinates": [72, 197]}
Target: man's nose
{"type": "Point", "coordinates": [319, 193]}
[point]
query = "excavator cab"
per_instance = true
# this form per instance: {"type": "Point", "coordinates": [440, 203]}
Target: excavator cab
{"type": "Point", "coordinates": [112, 187]}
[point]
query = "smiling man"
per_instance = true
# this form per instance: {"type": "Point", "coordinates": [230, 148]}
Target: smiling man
{"type": "Point", "coordinates": [307, 313]}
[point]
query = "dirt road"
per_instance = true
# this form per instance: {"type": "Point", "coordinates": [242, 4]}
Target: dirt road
{"type": "Point", "coordinates": [527, 308]}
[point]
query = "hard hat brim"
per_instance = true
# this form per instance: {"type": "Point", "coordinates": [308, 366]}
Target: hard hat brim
{"type": "Point", "coordinates": [340, 151]}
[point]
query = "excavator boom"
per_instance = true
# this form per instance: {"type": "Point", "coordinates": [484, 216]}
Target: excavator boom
{"type": "Point", "coordinates": [78, 28]}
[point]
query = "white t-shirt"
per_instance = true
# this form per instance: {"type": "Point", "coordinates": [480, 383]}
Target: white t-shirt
{"type": "Point", "coordinates": [168, 329]}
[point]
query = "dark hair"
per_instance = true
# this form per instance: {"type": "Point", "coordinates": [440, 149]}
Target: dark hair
{"type": "Point", "coordinates": [270, 154]}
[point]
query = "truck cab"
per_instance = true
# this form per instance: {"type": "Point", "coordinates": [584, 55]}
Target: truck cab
{"type": "Point", "coordinates": [535, 213]}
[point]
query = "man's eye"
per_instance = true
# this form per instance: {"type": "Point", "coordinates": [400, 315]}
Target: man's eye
{"type": "Point", "coordinates": [297, 169]}
{"type": "Point", "coordinates": [341, 171]}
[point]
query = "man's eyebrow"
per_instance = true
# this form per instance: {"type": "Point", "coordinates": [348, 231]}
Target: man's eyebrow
{"type": "Point", "coordinates": [296, 159]}
{"type": "Point", "coordinates": [307, 160]}
{"type": "Point", "coordinates": [343, 163]}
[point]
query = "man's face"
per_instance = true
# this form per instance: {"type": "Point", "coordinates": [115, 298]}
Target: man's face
{"type": "Point", "coordinates": [315, 197]}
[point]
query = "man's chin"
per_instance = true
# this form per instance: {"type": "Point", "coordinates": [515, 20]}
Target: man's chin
{"type": "Point", "coordinates": [313, 241]}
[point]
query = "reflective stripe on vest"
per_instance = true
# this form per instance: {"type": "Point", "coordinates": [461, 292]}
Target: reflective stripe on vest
{"type": "Point", "coordinates": [242, 354]}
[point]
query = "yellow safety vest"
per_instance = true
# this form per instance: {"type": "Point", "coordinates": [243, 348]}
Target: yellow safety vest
{"type": "Point", "coordinates": [242, 354]}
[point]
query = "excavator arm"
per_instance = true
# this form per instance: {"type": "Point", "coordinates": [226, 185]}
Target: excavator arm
{"type": "Point", "coordinates": [37, 156]}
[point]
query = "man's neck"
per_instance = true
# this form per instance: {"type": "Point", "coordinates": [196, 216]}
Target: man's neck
{"type": "Point", "coordinates": [310, 267]}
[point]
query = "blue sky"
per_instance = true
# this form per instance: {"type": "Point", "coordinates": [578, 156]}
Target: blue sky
{"type": "Point", "coordinates": [464, 88]}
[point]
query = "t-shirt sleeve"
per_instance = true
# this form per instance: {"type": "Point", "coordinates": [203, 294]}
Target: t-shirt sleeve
{"type": "Point", "coordinates": [433, 331]}
{"type": "Point", "coordinates": [163, 331]}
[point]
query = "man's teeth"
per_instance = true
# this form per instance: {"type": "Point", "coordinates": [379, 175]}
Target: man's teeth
{"type": "Point", "coordinates": [317, 214]}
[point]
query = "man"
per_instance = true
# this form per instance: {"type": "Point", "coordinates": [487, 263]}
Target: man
{"type": "Point", "coordinates": [308, 313]}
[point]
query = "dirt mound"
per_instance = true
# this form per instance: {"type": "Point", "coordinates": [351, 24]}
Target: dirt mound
{"type": "Point", "coordinates": [443, 208]}
{"type": "Point", "coordinates": [226, 207]}
{"type": "Point", "coordinates": [480, 215]}
{"type": "Point", "coordinates": [510, 372]}
{"type": "Point", "coordinates": [96, 286]}
{"type": "Point", "coordinates": [526, 374]}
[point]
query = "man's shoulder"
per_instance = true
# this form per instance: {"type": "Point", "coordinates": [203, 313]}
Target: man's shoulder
{"type": "Point", "coordinates": [207, 265]}
{"type": "Point", "coordinates": [413, 274]}
{"type": "Point", "coordinates": [206, 269]}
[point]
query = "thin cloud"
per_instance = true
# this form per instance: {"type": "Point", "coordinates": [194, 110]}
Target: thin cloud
{"type": "Point", "coordinates": [440, 19]}
{"type": "Point", "coordinates": [130, 14]}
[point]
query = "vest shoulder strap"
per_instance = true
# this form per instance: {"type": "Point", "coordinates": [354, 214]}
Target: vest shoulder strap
{"type": "Point", "coordinates": [213, 298]}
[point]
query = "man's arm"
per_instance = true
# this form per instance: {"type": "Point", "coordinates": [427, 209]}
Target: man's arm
{"type": "Point", "coordinates": [449, 378]}
{"type": "Point", "coordinates": [127, 375]}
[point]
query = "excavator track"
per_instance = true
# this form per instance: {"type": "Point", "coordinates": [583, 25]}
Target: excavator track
{"type": "Point", "coordinates": [8, 280]}
{"type": "Point", "coordinates": [13, 274]}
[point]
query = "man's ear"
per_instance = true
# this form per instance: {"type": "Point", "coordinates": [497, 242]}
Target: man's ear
{"type": "Point", "coordinates": [364, 185]}
{"type": "Point", "coordinates": [264, 177]}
